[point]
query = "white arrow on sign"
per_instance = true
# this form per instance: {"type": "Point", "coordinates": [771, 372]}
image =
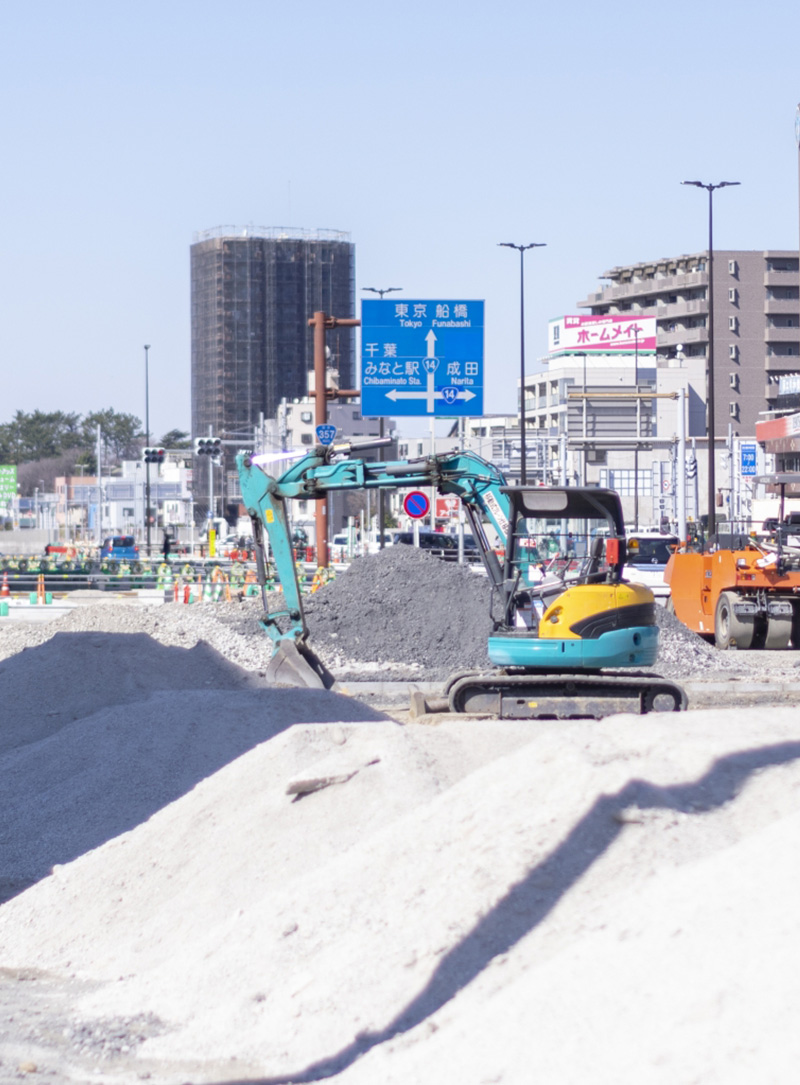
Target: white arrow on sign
{"type": "Point", "coordinates": [431, 364]}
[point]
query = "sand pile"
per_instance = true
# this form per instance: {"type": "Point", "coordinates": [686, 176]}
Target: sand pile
{"type": "Point", "coordinates": [603, 901]}
{"type": "Point", "coordinates": [282, 885]}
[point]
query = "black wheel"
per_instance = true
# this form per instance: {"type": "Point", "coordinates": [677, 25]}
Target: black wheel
{"type": "Point", "coordinates": [796, 627]}
{"type": "Point", "coordinates": [662, 700]}
{"type": "Point", "coordinates": [23, 566]}
{"type": "Point", "coordinates": [113, 567]}
{"type": "Point", "coordinates": [779, 633]}
{"type": "Point", "coordinates": [731, 631]}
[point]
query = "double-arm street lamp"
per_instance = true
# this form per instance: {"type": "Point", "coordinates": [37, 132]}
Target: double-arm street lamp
{"type": "Point", "coordinates": [386, 290]}
{"type": "Point", "coordinates": [710, 426]}
{"type": "Point", "coordinates": [523, 477]}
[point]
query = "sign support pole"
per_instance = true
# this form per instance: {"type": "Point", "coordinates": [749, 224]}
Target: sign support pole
{"type": "Point", "coordinates": [320, 322]}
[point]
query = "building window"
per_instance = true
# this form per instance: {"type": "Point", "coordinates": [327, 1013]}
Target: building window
{"type": "Point", "coordinates": [624, 482]}
{"type": "Point", "coordinates": [733, 323]}
{"type": "Point", "coordinates": [733, 267]}
{"type": "Point", "coordinates": [734, 379]}
{"type": "Point", "coordinates": [306, 416]}
{"type": "Point", "coordinates": [733, 352]}
{"type": "Point", "coordinates": [306, 439]}
{"type": "Point", "coordinates": [734, 410]}
{"type": "Point", "coordinates": [733, 296]}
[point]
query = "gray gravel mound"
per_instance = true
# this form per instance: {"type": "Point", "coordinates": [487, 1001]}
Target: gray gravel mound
{"type": "Point", "coordinates": [405, 607]}
{"type": "Point", "coordinates": [682, 653]}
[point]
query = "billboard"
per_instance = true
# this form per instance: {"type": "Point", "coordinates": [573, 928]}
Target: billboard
{"type": "Point", "coordinates": [610, 334]}
{"type": "Point", "coordinates": [8, 482]}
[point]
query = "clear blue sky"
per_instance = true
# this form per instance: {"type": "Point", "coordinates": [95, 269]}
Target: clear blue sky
{"type": "Point", "coordinates": [429, 131]}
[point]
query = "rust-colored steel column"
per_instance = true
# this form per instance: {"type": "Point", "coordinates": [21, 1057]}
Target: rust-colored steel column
{"type": "Point", "coordinates": [320, 322]}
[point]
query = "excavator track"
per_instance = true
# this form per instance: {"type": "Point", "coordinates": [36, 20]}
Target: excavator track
{"type": "Point", "coordinates": [562, 696]}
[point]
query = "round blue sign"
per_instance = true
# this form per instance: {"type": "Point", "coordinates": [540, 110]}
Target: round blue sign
{"type": "Point", "coordinates": [416, 504]}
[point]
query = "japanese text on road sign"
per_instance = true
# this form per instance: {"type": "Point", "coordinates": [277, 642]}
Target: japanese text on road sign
{"type": "Point", "coordinates": [421, 358]}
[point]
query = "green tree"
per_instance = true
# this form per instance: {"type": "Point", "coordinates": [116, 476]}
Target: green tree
{"type": "Point", "coordinates": [175, 438]}
{"type": "Point", "coordinates": [121, 434]}
{"type": "Point", "coordinates": [39, 435]}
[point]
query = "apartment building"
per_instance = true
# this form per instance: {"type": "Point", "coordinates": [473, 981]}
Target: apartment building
{"type": "Point", "coordinates": [756, 322]}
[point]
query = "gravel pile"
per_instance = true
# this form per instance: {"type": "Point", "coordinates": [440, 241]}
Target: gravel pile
{"type": "Point", "coordinates": [682, 653]}
{"type": "Point", "coordinates": [405, 607]}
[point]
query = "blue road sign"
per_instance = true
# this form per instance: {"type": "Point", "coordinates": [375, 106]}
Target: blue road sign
{"type": "Point", "coordinates": [325, 434]}
{"type": "Point", "coordinates": [748, 453]}
{"type": "Point", "coordinates": [416, 504]}
{"type": "Point", "coordinates": [421, 358]}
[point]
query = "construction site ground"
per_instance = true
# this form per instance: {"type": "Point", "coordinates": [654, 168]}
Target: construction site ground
{"type": "Point", "coordinates": [208, 880]}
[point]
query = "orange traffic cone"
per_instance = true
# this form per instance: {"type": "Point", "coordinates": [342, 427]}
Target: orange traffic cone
{"type": "Point", "coordinates": [4, 589]}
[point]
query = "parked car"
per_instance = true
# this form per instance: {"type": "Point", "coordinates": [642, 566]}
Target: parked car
{"type": "Point", "coordinates": [119, 548]}
{"type": "Point", "coordinates": [439, 543]}
{"type": "Point", "coordinates": [646, 560]}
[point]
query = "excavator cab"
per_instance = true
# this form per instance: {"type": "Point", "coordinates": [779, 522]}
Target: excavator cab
{"type": "Point", "coordinates": [572, 610]}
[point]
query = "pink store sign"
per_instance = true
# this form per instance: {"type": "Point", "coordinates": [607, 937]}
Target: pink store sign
{"type": "Point", "coordinates": [603, 334]}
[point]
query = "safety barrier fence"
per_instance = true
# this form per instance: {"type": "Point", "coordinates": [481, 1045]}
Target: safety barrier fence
{"type": "Point", "coordinates": [189, 582]}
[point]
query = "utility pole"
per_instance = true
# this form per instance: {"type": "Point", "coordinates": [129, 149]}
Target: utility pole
{"type": "Point", "coordinates": [710, 427]}
{"type": "Point", "coordinates": [320, 322]}
{"type": "Point", "coordinates": [147, 443]}
{"type": "Point", "coordinates": [523, 476]}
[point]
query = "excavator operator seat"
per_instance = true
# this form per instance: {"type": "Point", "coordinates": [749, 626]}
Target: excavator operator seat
{"type": "Point", "coordinates": [595, 560]}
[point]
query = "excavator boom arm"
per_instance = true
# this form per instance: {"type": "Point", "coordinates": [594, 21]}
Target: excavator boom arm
{"type": "Point", "coordinates": [475, 481]}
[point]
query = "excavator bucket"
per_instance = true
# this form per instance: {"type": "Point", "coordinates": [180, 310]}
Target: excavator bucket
{"type": "Point", "coordinates": [294, 664]}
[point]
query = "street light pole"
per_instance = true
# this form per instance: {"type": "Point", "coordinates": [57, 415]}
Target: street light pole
{"type": "Point", "coordinates": [523, 476]}
{"type": "Point", "coordinates": [381, 493]}
{"type": "Point", "coordinates": [710, 425]}
{"type": "Point", "coordinates": [386, 289]}
{"type": "Point", "coordinates": [147, 445]}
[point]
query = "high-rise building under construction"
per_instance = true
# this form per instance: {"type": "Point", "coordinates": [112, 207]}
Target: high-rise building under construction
{"type": "Point", "coordinates": [253, 291]}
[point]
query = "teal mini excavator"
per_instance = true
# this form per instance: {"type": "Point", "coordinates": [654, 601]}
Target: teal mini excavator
{"type": "Point", "coordinates": [569, 643]}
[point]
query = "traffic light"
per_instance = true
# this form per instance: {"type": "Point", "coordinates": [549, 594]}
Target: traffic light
{"type": "Point", "coordinates": [154, 455]}
{"type": "Point", "coordinates": [207, 446]}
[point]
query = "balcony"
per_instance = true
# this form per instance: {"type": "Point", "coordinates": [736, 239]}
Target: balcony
{"type": "Point", "coordinates": [682, 335]}
{"type": "Point", "coordinates": [782, 335]}
{"type": "Point", "coordinates": [780, 278]}
{"type": "Point", "coordinates": [780, 364]}
{"type": "Point", "coordinates": [779, 306]}
{"type": "Point", "coordinates": [680, 309]}
{"type": "Point", "coordinates": [646, 288]}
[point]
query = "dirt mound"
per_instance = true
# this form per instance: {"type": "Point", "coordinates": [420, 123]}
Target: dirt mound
{"type": "Point", "coordinates": [403, 607]}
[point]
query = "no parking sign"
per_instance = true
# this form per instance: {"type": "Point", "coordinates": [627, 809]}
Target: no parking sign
{"type": "Point", "coordinates": [416, 505]}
